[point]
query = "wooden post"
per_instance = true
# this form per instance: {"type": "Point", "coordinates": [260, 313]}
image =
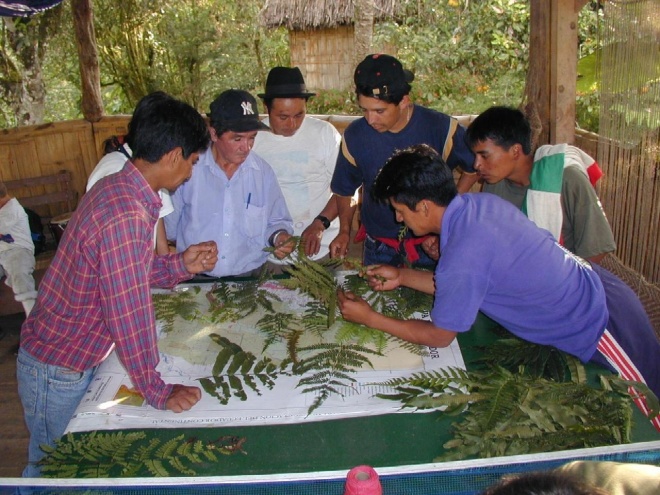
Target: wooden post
{"type": "Point", "coordinates": [552, 78]}
{"type": "Point", "coordinates": [537, 86]}
{"type": "Point", "coordinates": [364, 27]}
{"type": "Point", "coordinates": [563, 60]}
{"type": "Point", "coordinates": [90, 74]}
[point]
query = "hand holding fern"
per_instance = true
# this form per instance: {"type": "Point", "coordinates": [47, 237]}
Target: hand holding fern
{"type": "Point", "coordinates": [383, 277]}
{"type": "Point", "coordinates": [354, 308]}
{"type": "Point", "coordinates": [284, 244]}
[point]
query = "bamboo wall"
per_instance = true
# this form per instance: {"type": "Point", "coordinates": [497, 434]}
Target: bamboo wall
{"type": "Point", "coordinates": [630, 194]}
{"type": "Point", "coordinates": [326, 57]}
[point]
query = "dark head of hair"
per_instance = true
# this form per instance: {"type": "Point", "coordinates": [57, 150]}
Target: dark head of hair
{"type": "Point", "coordinates": [504, 126]}
{"type": "Point", "coordinates": [545, 483]}
{"type": "Point", "coordinates": [112, 144]}
{"type": "Point", "coordinates": [161, 123]}
{"type": "Point", "coordinates": [415, 174]}
{"type": "Point", "coordinates": [3, 189]}
{"type": "Point", "coordinates": [143, 107]}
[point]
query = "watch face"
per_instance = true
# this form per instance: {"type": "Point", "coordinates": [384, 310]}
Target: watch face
{"type": "Point", "coordinates": [324, 221]}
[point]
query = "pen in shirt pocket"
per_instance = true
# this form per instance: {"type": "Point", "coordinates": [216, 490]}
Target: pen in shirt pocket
{"type": "Point", "coordinates": [248, 201]}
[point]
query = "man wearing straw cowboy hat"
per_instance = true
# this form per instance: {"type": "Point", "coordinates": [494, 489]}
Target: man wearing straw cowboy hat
{"type": "Point", "coordinates": [303, 152]}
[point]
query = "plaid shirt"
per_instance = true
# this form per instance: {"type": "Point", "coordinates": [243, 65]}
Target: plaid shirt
{"type": "Point", "coordinates": [97, 294]}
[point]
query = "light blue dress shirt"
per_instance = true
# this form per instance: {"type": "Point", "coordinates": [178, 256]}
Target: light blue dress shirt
{"type": "Point", "coordinates": [239, 214]}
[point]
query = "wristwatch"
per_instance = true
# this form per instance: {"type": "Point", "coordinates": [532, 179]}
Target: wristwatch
{"type": "Point", "coordinates": [324, 221]}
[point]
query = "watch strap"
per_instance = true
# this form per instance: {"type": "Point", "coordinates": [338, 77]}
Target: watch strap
{"type": "Point", "coordinates": [324, 221]}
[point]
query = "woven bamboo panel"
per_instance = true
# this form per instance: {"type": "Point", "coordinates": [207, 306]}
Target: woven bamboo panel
{"type": "Point", "coordinates": [630, 194]}
{"type": "Point", "coordinates": [631, 198]}
{"type": "Point", "coordinates": [325, 56]}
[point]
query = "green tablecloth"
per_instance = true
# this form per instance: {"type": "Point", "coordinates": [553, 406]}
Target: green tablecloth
{"type": "Point", "coordinates": [387, 440]}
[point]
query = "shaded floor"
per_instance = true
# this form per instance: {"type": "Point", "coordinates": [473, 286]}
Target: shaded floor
{"type": "Point", "coordinates": [13, 434]}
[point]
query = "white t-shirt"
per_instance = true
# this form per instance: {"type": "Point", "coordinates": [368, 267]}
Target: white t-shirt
{"type": "Point", "coordinates": [14, 221]}
{"type": "Point", "coordinates": [112, 163]}
{"type": "Point", "coordinates": [304, 164]}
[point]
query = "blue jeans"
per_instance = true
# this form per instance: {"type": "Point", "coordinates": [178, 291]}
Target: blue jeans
{"type": "Point", "coordinates": [50, 395]}
{"type": "Point", "coordinates": [378, 253]}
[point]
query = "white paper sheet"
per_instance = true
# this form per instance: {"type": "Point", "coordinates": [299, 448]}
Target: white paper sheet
{"type": "Point", "coordinates": [188, 354]}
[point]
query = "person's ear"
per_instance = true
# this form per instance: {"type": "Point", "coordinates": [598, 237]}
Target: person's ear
{"type": "Point", "coordinates": [174, 156]}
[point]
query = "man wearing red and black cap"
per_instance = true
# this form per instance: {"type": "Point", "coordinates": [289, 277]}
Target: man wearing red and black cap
{"type": "Point", "coordinates": [391, 122]}
{"type": "Point", "coordinates": [233, 196]}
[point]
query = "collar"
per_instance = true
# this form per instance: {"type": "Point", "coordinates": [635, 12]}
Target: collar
{"type": "Point", "coordinates": [144, 193]}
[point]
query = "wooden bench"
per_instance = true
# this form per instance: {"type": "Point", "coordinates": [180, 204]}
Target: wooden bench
{"type": "Point", "coordinates": [49, 196]}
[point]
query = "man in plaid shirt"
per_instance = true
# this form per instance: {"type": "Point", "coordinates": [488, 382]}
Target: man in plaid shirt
{"type": "Point", "coordinates": [96, 295]}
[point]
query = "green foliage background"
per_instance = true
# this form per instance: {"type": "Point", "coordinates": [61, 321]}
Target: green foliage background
{"type": "Point", "coordinates": [467, 55]}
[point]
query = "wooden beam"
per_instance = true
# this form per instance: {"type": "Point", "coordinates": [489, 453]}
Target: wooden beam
{"type": "Point", "coordinates": [552, 78]}
{"type": "Point", "coordinates": [563, 63]}
{"type": "Point", "coordinates": [88, 60]}
{"type": "Point", "coordinates": [537, 86]}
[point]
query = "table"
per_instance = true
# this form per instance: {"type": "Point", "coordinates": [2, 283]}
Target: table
{"type": "Point", "coordinates": [387, 440]}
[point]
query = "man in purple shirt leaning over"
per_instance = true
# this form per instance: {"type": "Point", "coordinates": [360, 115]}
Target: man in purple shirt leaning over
{"type": "Point", "coordinates": [518, 275]}
{"type": "Point", "coordinates": [95, 296]}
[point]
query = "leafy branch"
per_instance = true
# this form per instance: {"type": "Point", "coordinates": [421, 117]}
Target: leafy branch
{"type": "Point", "coordinates": [505, 413]}
{"type": "Point", "coordinates": [125, 454]}
{"type": "Point", "coordinates": [234, 369]}
{"type": "Point", "coordinates": [278, 327]}
{"type": "Point", "coordinates": [168, 306]}
{"type": "Point", "coordinates": [313, 279]}
{"type": "Point", "coordinates": [535, 360]}
{"type": "Point", "coordinates": [401, 303]}
{"type": "Point", "coordinates": [231, 301]}
{"type": "Point", "coordinates": [330, 369]}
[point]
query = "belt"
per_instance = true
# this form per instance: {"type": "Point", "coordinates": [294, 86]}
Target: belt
{"type": "Point", "coordinates": [405, 246]}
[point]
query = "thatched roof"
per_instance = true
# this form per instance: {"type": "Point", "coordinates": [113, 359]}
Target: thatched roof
{"type": "Point", "coordinates": [302, 15]}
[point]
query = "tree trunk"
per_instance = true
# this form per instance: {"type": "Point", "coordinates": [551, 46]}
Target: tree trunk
{"type": "Point", "coordinates": [364, 29]}
{"type": "Point", "coordinates": [21, 80]}
{"type": "Point", "coordinates": [90, 73]}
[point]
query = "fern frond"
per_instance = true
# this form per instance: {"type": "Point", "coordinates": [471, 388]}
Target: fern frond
{"type": "Point", "coordinates": [236, 371]}
{"type": "Point", "coordinates": [125, 454]}
{"type": "Point", "coordinates": [169, 306]}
